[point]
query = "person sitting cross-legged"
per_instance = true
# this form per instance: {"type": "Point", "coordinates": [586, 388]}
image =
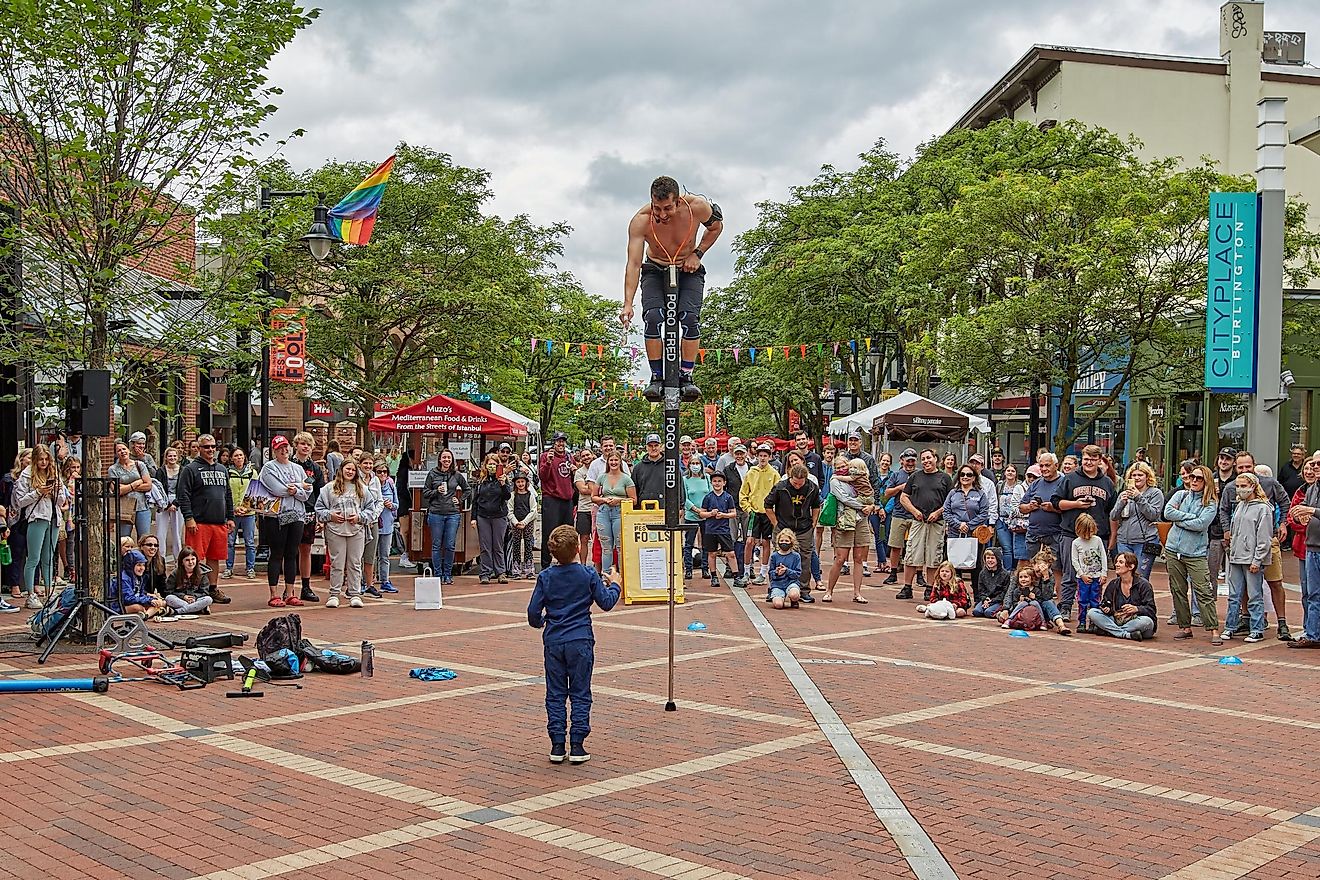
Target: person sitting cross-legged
{"type": "Point", "coordinates": [1127, 607]}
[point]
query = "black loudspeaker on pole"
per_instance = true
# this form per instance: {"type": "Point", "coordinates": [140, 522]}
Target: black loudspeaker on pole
{"type": "Point", "coordinates": [87, 403]}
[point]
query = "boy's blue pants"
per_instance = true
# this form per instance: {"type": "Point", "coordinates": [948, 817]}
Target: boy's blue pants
{"type": "Point", "coordinates": [568, 676]}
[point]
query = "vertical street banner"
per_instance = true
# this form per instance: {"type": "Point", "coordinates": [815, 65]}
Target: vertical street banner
{"type": "Point", "coordinates": [794, 422]}
{"type": "Point", "coordinates": [1231, 293]}
{"type": "Point", "coordinates": [288, 346]}
{"type": "Point", "coordinates": [712, 412]}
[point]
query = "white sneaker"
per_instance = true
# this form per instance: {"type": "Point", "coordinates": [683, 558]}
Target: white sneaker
{"type": "Point", "coordinates": [32, 601]}
{"type": "Point", "coordinates": [332, 602]}
{"type": "Point", "coordinates": [355, 602]}
{"type": "Point", "coordinates": [866, 569]}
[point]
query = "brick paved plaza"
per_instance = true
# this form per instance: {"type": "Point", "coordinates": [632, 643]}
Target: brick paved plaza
{"type": "Point", "coordinates": [1039, 757]}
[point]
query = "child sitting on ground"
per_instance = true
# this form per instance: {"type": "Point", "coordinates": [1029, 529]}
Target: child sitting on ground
{"type": "Point", "coordinates": [994, 584]}
{"type": "Point", "coordinates": [187, 591]}
{"type": "Point", "coordinates": [561, 607]}
{"type": "Point", "coordinates": [1090, 564]}
{"type": "Point", "coordinates": [127, 593]}
{"type": "Point", "coordinates": [948, 595]}
{"type": "Point", "coordinates": [785, 571]}
{"type": "Point", "coordinates": [1041, 592]}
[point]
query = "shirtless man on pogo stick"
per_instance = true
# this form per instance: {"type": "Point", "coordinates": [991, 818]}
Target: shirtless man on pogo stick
{"type": "Point", "coordinates": [664, 233]}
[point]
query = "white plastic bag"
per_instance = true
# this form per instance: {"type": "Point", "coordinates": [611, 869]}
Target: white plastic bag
{"type": "Point", "coordinates": [962, 552]}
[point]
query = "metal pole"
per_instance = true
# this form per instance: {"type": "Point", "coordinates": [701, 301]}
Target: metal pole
{"type": "Point", "coordinates": [673, 483]}
{"type": "Point", "coordinates": [1263, 416]}
{"type": "Point", "coordinates": [267, 288]}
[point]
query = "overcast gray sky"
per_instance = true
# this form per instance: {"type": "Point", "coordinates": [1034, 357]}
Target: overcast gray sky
{"type": "Point", "coordinates": [575, 106]}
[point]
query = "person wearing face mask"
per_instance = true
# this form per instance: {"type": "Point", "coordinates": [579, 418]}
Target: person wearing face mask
{"type": "Point", "coordinates": [785, 572]}
{"type": "Point", "coordinates": [696, 486]}
{"type": "Point", "coordinates": [1252, 533]}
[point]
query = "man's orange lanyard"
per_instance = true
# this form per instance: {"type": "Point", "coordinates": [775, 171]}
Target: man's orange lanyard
{"type": "Point", "coordinates": [692, 227]}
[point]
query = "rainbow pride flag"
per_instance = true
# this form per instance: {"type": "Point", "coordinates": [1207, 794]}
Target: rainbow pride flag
{"type": "Point", "coordinates": [355, 215]}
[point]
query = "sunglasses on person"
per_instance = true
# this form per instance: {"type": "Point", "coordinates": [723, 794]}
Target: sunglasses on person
{"type": "Point", "coordinates": [1195, 478]}
{"type": "Point", "coordinates": [968, 475]}
{"type": "Point", "coordinates": [206, 446]}
{"type": "Point", "coordinates": [153, 545]}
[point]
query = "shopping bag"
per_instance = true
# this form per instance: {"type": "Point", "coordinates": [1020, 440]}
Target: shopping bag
{"type": "Point", "coordinates": [428, 596]}
{"type": "Point", "coordinates": [829, 512]}
{"type": "Point", "coordinates": [962, 552]}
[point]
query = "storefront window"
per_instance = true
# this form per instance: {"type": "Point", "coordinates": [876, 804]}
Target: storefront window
{"type": "Point", "coordinates": [1231, 410]}
{"type": "Point", "coordinates": [1299, 418]}
{"type": "Point", "coordinates": [1155, 438]}
{"type": "Point", "coordinates": [1189, 429]}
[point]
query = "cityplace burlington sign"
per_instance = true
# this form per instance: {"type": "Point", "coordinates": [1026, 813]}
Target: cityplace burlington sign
{"type": "Point", "coordinates": [1231, 293]}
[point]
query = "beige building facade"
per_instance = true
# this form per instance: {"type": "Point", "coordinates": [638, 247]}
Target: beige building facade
{"type": "Point", "coordinates": [1181, 106]}
{"type": "Point", "coordinates": [1187, 107]}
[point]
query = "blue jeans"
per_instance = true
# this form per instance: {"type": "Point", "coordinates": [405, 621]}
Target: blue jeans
{"type": "Point", "coordinates": [987, 609]}
{"type": "Point", "coordinates": [1088, 597]}
{"type": "Point", "coordinates": [248, 526]}
{"type": "Point", "coordinates": [1311, 595]}
{"type": "Point", "coordinates": [444, 532]}
{"type": "Point", "coordinates": [691, 540]}
{"type": "Point", "coordinates": [1102, 622]}
{"type": "Point", "coordinates": [881, 548]}
{"type": "Point", "coordinates": [609, 528]}
{"type": "Point", "coordinates": [1240, 577]}
{"type": "Point", "coordinates": [568, 677]}
{"type": "Point", "coordinates": [383, 556]}
{"type": "Point", "coordinates": [1013, 545]}
{"type": "Point", "coordinates": [1145, 561]}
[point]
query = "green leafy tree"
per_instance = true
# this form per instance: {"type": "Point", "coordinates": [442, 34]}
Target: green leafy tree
{"type": "Point", "coordinates": [121, 120]}
{"type": "Point", "coordinates": [435, 299]}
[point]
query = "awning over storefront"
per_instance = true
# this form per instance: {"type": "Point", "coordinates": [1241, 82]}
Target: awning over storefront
{"type": "Point", "coordinates": [441, 414]}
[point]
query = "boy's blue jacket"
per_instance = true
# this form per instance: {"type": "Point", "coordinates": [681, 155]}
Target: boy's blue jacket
{"type": "Point", "coordinates": [127, 588]}
{"type": "Point", "coordinates": [561, 602]}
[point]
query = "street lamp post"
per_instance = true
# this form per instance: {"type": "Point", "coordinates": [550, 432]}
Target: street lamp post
{"type": "Point", "coordinates": [319, 239]}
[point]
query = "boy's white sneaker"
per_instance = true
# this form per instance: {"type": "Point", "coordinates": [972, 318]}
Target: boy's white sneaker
{"type": "Point", "coordinates": [355, 602]}
{"type": "Point", "coordinates": [332, 602]}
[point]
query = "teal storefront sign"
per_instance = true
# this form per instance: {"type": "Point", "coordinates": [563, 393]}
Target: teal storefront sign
{"type": "Point", "coordinates": [1231, 293]}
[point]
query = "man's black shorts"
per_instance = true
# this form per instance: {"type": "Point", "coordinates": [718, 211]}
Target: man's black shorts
{"type": "Point", "coordinates": [583, 524]}
{"type": "Point", "coordinates": [309, 533]}
{"type": "Point", "coordinates": [722, 543]}
{"type": "Point", "coordinates": [691, 288]}
{"type": "Point", "coordinates": [760, 528]}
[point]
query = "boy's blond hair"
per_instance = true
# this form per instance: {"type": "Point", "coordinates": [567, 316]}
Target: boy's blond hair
{"type": "Point", "coordinates": [1085, 527]}
{"type": "Point", "coordinates": [564, 544]}
{"type": "Point", "coordinates": [786, 532]}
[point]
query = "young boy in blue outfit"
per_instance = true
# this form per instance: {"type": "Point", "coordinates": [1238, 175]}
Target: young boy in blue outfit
{"type": "Point", "coordinates": [785, 571]}
{"type": "Point", "coordinates": [718, 510]}
{"type": "Point", "coordinates": [561, 607]}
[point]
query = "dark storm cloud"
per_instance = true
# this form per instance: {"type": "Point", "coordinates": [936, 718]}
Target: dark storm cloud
{"type": "Point", "coordinates": [575, 106]}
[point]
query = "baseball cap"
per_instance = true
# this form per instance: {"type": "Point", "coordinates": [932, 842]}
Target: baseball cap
{"type": "Point", "coordinates": [740, 448]}
{"type": "Point", "coordinates": [279, 442]}
{"type": "Point", "coordinates": [137, 436]}
{"type": "Point", "coordinates": [908, 453]}
{"type": "Point", "coordinates": [1034, 471]}
{"type": "Point", "coordinates": [978, 458]}
{"type": "Point", "coordinates": [854, 435]}
{"type": "Point", "coordinates": [685, 439]}
{"type": "Point", "coordinates": [652, 438]}
{"type": "Point", "coordinates": [1229, 451]}
{"type": "Point", "coordinates": [559, 435]}
{"type": "Point", "coordinates": [508, 446]}
{"type": "Point", "coordinates": [765, 447]}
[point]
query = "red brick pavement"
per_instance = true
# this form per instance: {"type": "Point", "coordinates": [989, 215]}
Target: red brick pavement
{"type": "Point", "coordinates": [352, 777]}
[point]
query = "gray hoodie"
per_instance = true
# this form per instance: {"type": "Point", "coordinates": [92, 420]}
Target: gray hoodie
{"type": "Point", "coordinates": [1137, 516]}
{"type": "Point", "coordinates": [1253, 532]}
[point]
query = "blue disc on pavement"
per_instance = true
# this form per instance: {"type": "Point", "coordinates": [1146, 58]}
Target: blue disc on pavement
{"type": "Point", "coordinates": [1019, 634]}
{"type": "Point", "coordinates": [696, 626]}
{"type": "Point", "coordinates": [1230, 661]}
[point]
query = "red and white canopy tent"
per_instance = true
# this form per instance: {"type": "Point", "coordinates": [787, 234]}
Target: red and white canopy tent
{"type": "Point", "coordinates": [433, 425]}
